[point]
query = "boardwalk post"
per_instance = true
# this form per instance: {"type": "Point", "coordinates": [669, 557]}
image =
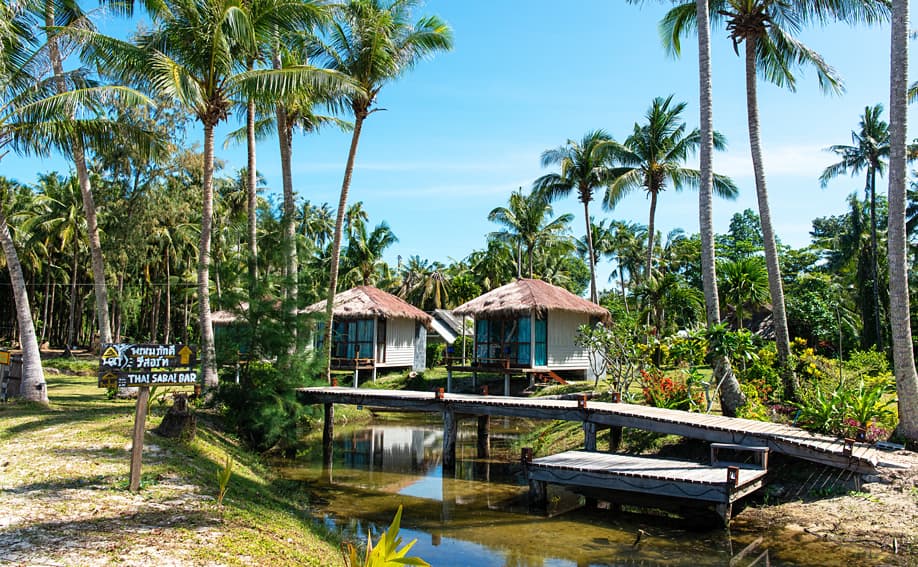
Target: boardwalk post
{"type": "Point", "coordinates": [449, 379]}
{"type": "Point", "coordinates": [450, 425]}
{"type": "Point", "coordinates": [589, 436]}
{"type": "Point", "coordinates": [506, 384]}
{"type": "Point", "coordinates": [328, 433]}
{"type": "Point", "coordinates": [484, 436]}
{"type": "Point", "coordinates": [538, 489]}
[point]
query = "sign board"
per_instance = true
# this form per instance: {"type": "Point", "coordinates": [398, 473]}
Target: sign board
{"type": "Point", "coordinates": [147, 365]}
{"type": "Point", "coordinates": [5, 357]}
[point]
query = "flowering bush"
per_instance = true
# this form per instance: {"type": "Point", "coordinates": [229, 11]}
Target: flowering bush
{"type": "Point", "coordinates": [664, 392]}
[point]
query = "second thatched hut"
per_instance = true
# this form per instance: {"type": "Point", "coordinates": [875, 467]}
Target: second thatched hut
{"type": "Point", "coordinates": [532, 324]}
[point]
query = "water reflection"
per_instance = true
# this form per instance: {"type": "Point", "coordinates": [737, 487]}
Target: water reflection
{"type": "Point", "coordinates": [479, 515]}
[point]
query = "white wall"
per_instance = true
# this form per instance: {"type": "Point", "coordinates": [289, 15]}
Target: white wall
{"type": "Point", "coordinates": [399, 343]}
{"type": "Point", "coordinates": [563, 354]}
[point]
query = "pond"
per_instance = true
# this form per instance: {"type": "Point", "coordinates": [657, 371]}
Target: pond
{"type": "Point", "coordinates": [480, 516]}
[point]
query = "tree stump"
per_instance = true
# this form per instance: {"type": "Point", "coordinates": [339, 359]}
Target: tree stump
{"type": "Point", "coordinates": [179, 421]}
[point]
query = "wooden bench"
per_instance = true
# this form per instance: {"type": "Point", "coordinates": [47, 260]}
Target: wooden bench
{"type": "Point", "coordinates": [760, 453]}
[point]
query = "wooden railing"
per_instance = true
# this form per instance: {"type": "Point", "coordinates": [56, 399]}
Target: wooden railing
{"type": "Point", "coordinates": [352, 363]}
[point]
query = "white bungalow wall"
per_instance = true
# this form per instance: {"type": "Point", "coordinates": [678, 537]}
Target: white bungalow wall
{"type": "Point", "coordinates": [399, 343]}
{"type": "Point", "coordinates": [563, 353]}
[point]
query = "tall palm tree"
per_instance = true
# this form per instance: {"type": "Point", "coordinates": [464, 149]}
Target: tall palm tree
{"type": "Point", "coordinates": [35, 118]}
{"type": "Point", "coordinates": [373, 42]}
{"type": "Point", "coordinates": [585, 166]}
{"type": "Point", "coordinates": [868, 150]}
{"type": "Point", "coordinates": [766, 29]}
{"type": "Point", "coordinates": [192, 56]}
{"type": "Point", "coordinates": [363, 256]}
{"type": "Point", "coordinates": [731, 396]}
{"type": "Point", "coordinates": [903, 354]}
{"type": "Point", "coordinates": [528, 220]}
{"type": "Point", "coordinates": [653, 155]}
{"type": "Point", "coordinates": [69, 15]}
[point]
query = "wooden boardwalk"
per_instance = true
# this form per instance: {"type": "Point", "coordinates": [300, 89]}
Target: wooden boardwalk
{"type": "Point", "coordinates": [667, 478]}
{"type": "Point", "coordinates": [778, 438]}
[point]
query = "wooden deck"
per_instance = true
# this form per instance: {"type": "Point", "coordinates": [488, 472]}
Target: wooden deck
{"type": "Point", "coordinates": [674, 479]}
{"type": "Point", "coordinates": [718, 429]}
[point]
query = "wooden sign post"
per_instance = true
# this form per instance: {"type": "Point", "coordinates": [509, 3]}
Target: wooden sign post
{"type": "Point", "coordinates": [143, 366]}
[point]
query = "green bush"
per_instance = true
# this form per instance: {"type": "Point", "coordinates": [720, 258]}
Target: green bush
{"type": "Point", "coordinates": [435, 353]}
{"type": "Point", "coordinates": [263, 408]}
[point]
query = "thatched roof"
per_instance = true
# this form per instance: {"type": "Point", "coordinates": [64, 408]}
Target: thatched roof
{"type": "Point", "coordinates": [365, 302]}
{"type": "Point", "coordinates": [228, 317]}
{"type": "Point", "coordinates": [525, 296]}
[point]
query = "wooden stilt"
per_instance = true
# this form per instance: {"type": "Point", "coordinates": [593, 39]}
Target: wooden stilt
{"type": "Point", "coordinates": [538, 495]}
{"type": "Point", "coordinates": [484, 436]}
{"type": "Point", "coordinates": [615, 438]}
{"type": "Point", "coordinates": [589, 436]}
{"type": "Point", "coordinates": [506, 384]}
{"type": "Point", "coordinates": [450, 426]}
{"type": "Point", "coordinates": [449, 380]}
{"type": "Point", "coordinates": [328, 434]}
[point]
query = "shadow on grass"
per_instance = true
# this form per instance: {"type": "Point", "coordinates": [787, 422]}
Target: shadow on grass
{"type": "Point", "coordinates": [46, 538]}
{"type": "Point", "coordinates": [95, 482]}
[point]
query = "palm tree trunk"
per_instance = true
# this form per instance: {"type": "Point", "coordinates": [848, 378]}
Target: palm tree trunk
{"type": "Point", "coordinates": [650, 233]}
{"type": "Point", "coordinates": [32, 387]}
{"type": "Point", "coordinates": [621, 279]}
{"type": "Point", "coordinates": [252, 186]}
{"type": "Point", "coordinates": [89, 206]}
{"type": "Point", "coordinates": [731, 396]}
{"type": "Point", "coordinates": [208, 351]}
{"type": "Point", "coordinates": [903, 355]}
{"type": "Point", "coordinates": [530, 253]}
{"type": "Point", "coordinates": [875, 259]}
{"type": "Point", "coordinates": [775, 287]}
{"type": "Point", "coordinates": [73, 292]}
{"type": "Point", "coordinates": [44, 316]}
{"type": "Point", "coordinates": [336, 242]}
{"type": "Point", "coordinates": [285, 138]}
{"type": "Point", "coordinates": [594, 296]}
{"type": "Point", "coordinates": [168, 300]}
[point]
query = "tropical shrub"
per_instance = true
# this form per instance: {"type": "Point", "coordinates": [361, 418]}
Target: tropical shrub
{"type": "Point", "coordinates": [435, 353]}
{"type": "Point", "coordinates": [870, 365]}
{"type": "Point", "coordinates": [687, 348]}
{"type": "Point", "coordinates": [263, 408]}
{"type": "Point", "coordinates": [663, 391]}
{"type": "Point", "coordinates": [864, 411]}
{"type": "Point", "coordinates": [613, 351]}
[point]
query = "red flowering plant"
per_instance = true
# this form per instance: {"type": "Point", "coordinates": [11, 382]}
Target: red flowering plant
{"type": "Point", "coordinates": [663, 391]}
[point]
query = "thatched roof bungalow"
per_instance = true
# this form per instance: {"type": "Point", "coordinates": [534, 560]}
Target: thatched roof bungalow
{"type": "Point", "coordinates": [531, 324]}
{"type": "Point", "coordinates": [375, 329]}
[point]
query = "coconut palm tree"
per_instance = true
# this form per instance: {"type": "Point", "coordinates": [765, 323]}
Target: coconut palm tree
{"type": "Point", "coordinates": [527, 220]}
{"type": "Point", "coordinates": [192, 56]}
{"type": "Point", "coordinates": [32, 387]}
{"type": "Point", "coordinates": [585, 166]}
{"type": "Point", "coordinates": [868, 150]}
{"type": "Point", "coordinates": [35, 118]}
{"type": "Point", "coordinates": [363, 256]}
{"type": "Point", "coordinates": [766, 29]}
{"type": "Point", "coordinates": [903, 354]}
{"type": "Point", "coordinates": [744, 283]}
{"type": "Point", "coordinates": [373, 42]}
{"type": "Point", "coordinates": [653, 155]}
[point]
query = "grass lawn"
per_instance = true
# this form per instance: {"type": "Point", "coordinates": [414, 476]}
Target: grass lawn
{"type": "Point", "coordinates": [64, 499]}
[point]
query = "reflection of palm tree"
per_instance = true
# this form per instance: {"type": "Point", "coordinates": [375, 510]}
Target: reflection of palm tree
{"type": "Point", "coordinates": [585, 167]}
{"type": "Point", "coordinates": [743, 283]}
{"type": "Point", "coordinates": [527, 221]}
{"type": "Point", "coordinates": [766, 30]}
{"type": "Point", "coordinates": [867, 151]}
{"type": "Point", "coordinates": [653, 154]}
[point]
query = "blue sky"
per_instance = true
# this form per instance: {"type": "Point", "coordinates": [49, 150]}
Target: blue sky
{"type": "Point", "coordinates": [460, 132]}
